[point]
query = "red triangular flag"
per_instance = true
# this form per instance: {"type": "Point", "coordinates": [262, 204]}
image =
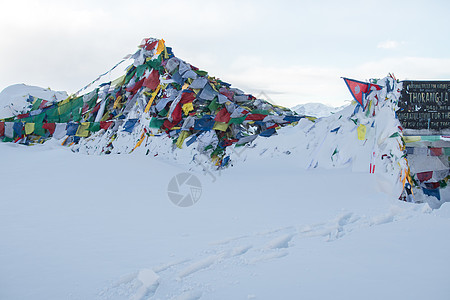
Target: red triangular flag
{"type": "Point", "coordinates": [357, 88]}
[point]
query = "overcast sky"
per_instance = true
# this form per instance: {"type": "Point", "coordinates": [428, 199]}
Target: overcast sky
{"type": "Point", "coordinates": [294, 51]}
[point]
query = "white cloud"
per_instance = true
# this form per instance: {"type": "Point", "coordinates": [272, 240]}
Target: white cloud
{"type": "Point", "coordinates": [407, 68]}
{"type": "Point", "coordinates": [389, 44]}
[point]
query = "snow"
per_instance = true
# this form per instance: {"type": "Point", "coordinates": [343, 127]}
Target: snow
{"type": "Point", "coordinates": [317, 110]}
{"type": "Point", "coordinates": [13, 99]}
{"type": "Point", "coordinates": [77, 226]}
{"type": "Point", "coordinates": [297, 216]}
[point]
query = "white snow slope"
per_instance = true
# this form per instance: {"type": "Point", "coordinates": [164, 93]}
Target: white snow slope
{"type": "Point", "coordinates": [276, 225]}
{"type": "Point", "coordinates": [13, 99]}
{"type": "Point", "coordinates": [74, 226]}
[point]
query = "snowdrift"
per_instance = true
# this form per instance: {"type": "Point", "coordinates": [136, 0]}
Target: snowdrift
{"type": "Point", "coordinates": [18, 98]}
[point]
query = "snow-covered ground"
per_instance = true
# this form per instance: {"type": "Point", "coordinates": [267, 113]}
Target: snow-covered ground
{"type": "Point", "coordinates": [13, 99]}
{"type": "Point", "coordinates": [74, 226]}
{"type": "Point", "coordinates": [296, 216]}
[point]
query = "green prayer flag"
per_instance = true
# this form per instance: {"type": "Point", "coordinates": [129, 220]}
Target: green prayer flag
{"type": "Point", "coordinates": [163, 113]}
{"type": "Point", "coordinates": [213, 105]}
{"type": "Point", "coordinates": [260, 111]}
{"type": "Point", "coordinates": [63, 118]}
{"type": "Point", "coordinates": [27, 120]}
{"type": "Point", "coordinates": [94, 126]}
{"type": "Point", "coordinates": [447, 151]}
{"type": "Point", "coordinates": [395, 134]}
{"type": "Point", "coordinates": [64, 108]}
{"type": "Point", "coordinates": [156, 64]}
{"type": "Point", "coordinates": [156, 123]}
{"type": "Point", "coordinates": [77, 103]}
{"type": "Point", "coordinates": [140, 70]}
{"type": "Point", "coordinates": [335, 152]}
{"type": "Point", "coordinates": [431, 138]}
{"type": "Point", "coordinates": [76, 114]}
{"type": "Point", "coordinates": [36, 104]}
{"type": "Point", "coordinates": [39, 118]}
{"type": "Point", "coordinates": [52, 115]}
{"type": "Point", "coordinates": [38, 130]}
{"type": "Point", "coordinates": [208, 147]}
{"type": "Point", "coordinates": [201, 73]}
{"type": "Point", "coordinates": [237, 120]}
{"type": "Point", "coordinates": [129, 75]}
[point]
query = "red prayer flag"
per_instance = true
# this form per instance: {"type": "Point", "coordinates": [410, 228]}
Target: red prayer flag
{"type": "Point", "coordinates": [357, 89]}
{"type": "Point", "coordinates": [176, 117]}
{"type": "Point", "coordinates": [96, 107]}
{"type": "Point", "coordinates": [432, 185]}
{"type": "Point", "coordinates": [176, 114]}
{"type": "Point", "coordinates": [168, 125]}
{"type": "Point", "coordinates": [50, 127]}
{"type": "Point", "coordinates": [227, 93]}
{"type": "Point", "coordinates": [21, 116]}
{"type": "Point", "coordinates": [223, 116]}
{"type": "Point", "coordinates": [255, 117]}
{"type": "Point", "coordinates": [152, 80]}
{"type": "Point", "coordinates": [187, 97]}
{"type": "Point", "coordinates": [150, 46]}
{"type": "Point", "coordinates": [424, 176]}
{"type": "Point", "coordinates": [136, 86]}
{"type": "Point", "coordinates": [85, 108]}
{"type": "Point", "coordinates": [436, 151]}
{"type": "Point", "coordinates": [43, 104]}
{"type": "Point", "coordinates": [105, 124]}
{"type": "Point", "coordinates": [2, 128]}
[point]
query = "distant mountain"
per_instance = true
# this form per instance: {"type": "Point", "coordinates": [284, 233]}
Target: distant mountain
{"type": "Point", "coordinates": [318, 110]}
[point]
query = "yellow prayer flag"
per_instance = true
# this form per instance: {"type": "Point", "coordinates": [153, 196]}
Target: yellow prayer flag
{"type": "Point", "coordinates": [160, 47]}
{"type": "Point", "coordinates": [29, 128]}
{"type": "Point", "coordinates": [105, 117]}
{"type": "Point", "coordinates": [117, 102]}
{"type": "Point", "coordinates": [149, 104]}
{"type": "Point", "coordinates": [361, 132]}
{"type": "Point", "coordinates": [83, 130]}
{"type": "Point", "coordinates": [118, 81]}
{"type": "Point", "coordinates": [187, 107]}
{"type": "Point", "coordinates": [65, 101]}
{"type": "Point", "coordinates": [220, 126]}
{"type": "Point", "coordinates": [411, 139]}
{"type": "Point", "coordinates": [140, 141]}
{"type": "Point", "coordinates": [183, 135]}
{"type": "Point", "coordinates": [166, 54]}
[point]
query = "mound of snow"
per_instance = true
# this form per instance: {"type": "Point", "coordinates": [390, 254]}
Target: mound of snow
{"type": "Point", "coordinates": [15, 99]}
{"type": "Point", "coordinates": [318, 110]}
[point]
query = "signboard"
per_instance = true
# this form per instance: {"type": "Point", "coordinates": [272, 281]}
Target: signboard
{"type": "Point", "coordinates": [424, 106]}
